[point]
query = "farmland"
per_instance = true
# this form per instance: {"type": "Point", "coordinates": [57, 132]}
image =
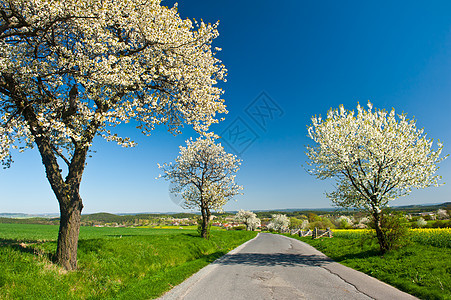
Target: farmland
{"type": "Point", "coordinates": [124, 263]}
{"type": "Point", "coordinates": [421, 267]}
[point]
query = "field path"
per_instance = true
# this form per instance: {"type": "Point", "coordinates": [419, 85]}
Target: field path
{"type": "Point", "coordinates": [272, 266]}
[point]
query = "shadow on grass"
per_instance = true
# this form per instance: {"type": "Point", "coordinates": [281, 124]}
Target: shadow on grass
{"type": "Point", "coordinates": [359, 255]}
{"type": "Point", "coordinates": [192, 234]}
{"type": "Point", "coordinates": [122, 235]}
{"type": "Point", "coordinates": [26, 247]}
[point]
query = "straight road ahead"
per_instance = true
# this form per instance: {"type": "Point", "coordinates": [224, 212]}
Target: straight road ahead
{"type": "Point", "coordinates": [272, 266]}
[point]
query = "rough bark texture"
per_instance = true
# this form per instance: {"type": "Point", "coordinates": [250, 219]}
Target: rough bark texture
{"type": "Point", "coordinates": [379, 233]}
{"type": "Point", "coordinates": [66, 190]}
{"type": "Point", "coordinates": [66, 252]}
{"type": "Point", "coordinates": [204, 225]}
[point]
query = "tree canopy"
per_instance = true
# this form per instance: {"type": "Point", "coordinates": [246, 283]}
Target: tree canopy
{"type": "Point", "coordinates": [72, 70]}
{"type": "Point", "coordinates": [204, 175]}
{"type": "Point", "coordinates": [374, 155]}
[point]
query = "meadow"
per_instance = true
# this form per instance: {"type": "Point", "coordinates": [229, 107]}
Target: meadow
{"type": "Point", "coordinates": [421, 267]}
{"type": "Point", "coordinates": [119, 263]}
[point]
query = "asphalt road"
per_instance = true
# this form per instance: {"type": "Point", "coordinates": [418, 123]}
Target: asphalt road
{"type": "Point", "coordinates": [272, 266]}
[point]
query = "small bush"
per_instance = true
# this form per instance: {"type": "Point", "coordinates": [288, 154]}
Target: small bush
{"type": "Point", "coordinates": [441, 224]}
{"type": "Point", "coordinates": [199, 228]}
{"type": "Point", "coordinates": [394, 227]}
{"type": "Point", "coordinates": [239, 227]}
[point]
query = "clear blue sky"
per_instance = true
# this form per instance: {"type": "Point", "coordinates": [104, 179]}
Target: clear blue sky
{"type": "Point", "coordinates": [307, 56]}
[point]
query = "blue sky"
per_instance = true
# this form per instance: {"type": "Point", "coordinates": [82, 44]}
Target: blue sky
{"type": "Point", "coordinates": [305, 57]}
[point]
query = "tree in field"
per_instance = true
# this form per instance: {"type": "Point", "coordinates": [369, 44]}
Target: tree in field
{"type": "Point", "coordinates": [279, 222]}
{"type": "Point", "coordinates": [344, 222]}
{"type": "Point", "coordinates": [421, 222]}
{"type": "Point", "coordinates": [204, 176]}
{"type": "Point", "coordinates": [248, 218]}
{"type": "Point", "coordinates": [72, 70]}
{"type": "Point", "coordinates": [375, 156]}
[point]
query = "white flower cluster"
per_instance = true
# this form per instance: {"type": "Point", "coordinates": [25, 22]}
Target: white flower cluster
{"type": "Point", "coordinates": [375, 156]}
{"type": "Point", "coordinates": [345, 220]}
{"type": "Point", "coordinates": [71, 69]}
{"type": "Point", "coordinates": [442, 214]}
{"type": "Point", "coordinates": [249, 219]}
{"type": "Point", "coordinates": [279, 222]}
{"type": "Point", "coordinates": [421, 222]}
{"type": "Point", "coordinates": [203, 174]}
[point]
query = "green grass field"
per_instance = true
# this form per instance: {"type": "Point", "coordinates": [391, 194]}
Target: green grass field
{"type": "Point", "coordinates": [421, 268]}
{"type": "Point", "coordinates": [119, 263]}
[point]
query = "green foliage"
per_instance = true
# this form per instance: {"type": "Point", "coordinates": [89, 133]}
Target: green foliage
{"type": "Point", "coordinates": [199, 228]}
{"type": "Point", "coordinates": [418, 268]}
{"type": "Point", "coordinates": [321, 223]}
{"type": "Point", "coordinates": [124, 263]}
{"type": "Point", "coordinates": [239, 227]}
{"type": "Point", "coordinates": [394, 228]}
{"type": "Point", "coordinates": [295, 223]}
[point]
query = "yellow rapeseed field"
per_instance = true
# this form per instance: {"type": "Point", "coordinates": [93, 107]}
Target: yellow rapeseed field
{"type": "Point", "coordinates": [438, 237]}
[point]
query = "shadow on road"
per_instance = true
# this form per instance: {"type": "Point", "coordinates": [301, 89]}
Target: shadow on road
{"type": "Point", "coordinates": [276, 259]}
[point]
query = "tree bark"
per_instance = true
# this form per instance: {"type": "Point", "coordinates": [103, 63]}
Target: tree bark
{"type": "Point", "coordinates": [379, 233]}
{"type": "Point", "coordinates": [66, 190]}
{"type": "Point", "coordinates": [70, 216]}
{"type": "Point", "coordinates": [204, 225]}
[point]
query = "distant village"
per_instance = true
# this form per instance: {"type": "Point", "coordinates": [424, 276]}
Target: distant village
{"type": "Point", "coordinates": [439, 218]}
{"type": "Point", "coordinates": [416, 216]}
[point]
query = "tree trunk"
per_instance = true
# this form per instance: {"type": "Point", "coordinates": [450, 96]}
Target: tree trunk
{"type": "Point", "coordinates": [66, 191]}
{"type": "Point", "coordinates": [66, 252]}
{"type": "Point", "coordinates": [379, 233]}
{"type": "Point", "coordinates": [204, 225]}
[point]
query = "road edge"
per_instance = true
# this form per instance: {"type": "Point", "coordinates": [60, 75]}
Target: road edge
{"type": "Point", "coordinates": [361, 281]}
{"type": "Point", "coordinates": [180, 290]}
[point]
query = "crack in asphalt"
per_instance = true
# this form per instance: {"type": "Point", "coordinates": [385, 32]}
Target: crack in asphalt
{"type": "Point", "coordinates": [351, 284]}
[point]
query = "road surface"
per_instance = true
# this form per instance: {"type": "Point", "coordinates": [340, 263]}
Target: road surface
{"type": "Point", "coordinates": [272, 266]}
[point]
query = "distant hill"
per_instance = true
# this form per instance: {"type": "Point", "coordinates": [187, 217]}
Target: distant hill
{"type": "Point", "coordinates": [90, 219]}
{"type": "Point", "coordinates": [422, 207]}
{"type": "Point", "coordinates": [25, 216]}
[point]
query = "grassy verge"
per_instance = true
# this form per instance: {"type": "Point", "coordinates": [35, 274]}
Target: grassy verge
{"type": "Point", "coordinates": [421, 268]}
{"type": "Point", "coordinates": [119, 263]}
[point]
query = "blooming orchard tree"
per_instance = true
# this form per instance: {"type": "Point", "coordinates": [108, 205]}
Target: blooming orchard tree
{"type": "Point", "coordinates": [442, 214]}
{"type": "Point", "coordinates": [421, 222]}
{"type": "Point", "coordinates": [344, 222]}
{"type": "Point", "coordinates": [71, 70]}
{"type": "Point", "coordinates": [279, 222]}
{"type": "Point", "coordinates": [204, 175]}
{"type": "Point", "coordinates": [374, 156]}
{"type": "Point", "coordinates": [305, 224]}
{"type": "Point", "coordinates": [248, 218]}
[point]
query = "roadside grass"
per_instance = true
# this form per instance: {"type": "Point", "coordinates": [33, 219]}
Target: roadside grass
{"type": "Point", "coordinates": [119, 263]}
{"type": "Point", "coordinates": [421, 268]}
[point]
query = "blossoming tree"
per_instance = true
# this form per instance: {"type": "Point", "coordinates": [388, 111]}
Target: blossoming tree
{"type": "Point", "coordinates": [375, 156]}
{"type": "Point", "coordinates": [204, 175]}
{"type": "Point", "coordinates": [279, 222]}
{"type": "Point", "coordinates": [248, 218]}
{"type": "Point", "coordinates": [71, 70]}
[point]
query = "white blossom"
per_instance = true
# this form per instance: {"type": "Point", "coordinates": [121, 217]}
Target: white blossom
{"type": "Point", "coordinates": [72, 70]}
{"type": "Point", "coordinates": [442, 214]}
{"type": "Point", "coordinates": [85, 66]}
{"type": "Point", "coordinates": [248, 218]}
{"type": "Point", "coordinates": [374, 156]}
{"type": "Point", "coordinates": [345, 221]}
{"type": "Point", "coordinates": [204, 175]}
{"type": "Point", "coordinates": [421, 222]}
{"type": "Point", "coordinates": [279, 222]}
